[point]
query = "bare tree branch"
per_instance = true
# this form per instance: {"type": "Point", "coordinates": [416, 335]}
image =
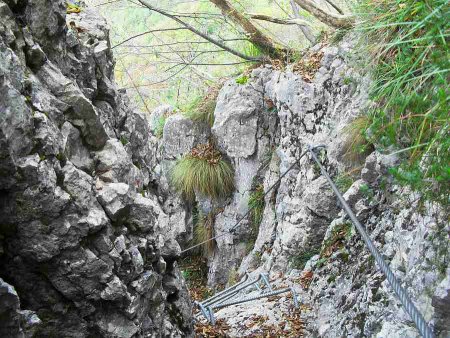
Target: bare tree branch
{"type": "Point", "coordinates": [332, 4]}
{"type": "Point", "coordinates": [199, 33]}
{"type": "Point", "coordinates": [306, 30]}
{"type": "Point", "coordinates": [177, 43]}
{"type": "Point", "coordinates": [280, 21]}
{"type": "Point", "coordinates": [336, 21]}
{"type": "Point", "coordinates": [135, 87]}
{"type": "Point", "coordinates": [147, 32]}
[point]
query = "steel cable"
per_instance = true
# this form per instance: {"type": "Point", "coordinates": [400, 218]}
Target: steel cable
{"type": "Point", "coordinates": [401, 293]}
{"type": "Point", "coordinates": [250, 209]}
{"type": "Point", "coordinates": [409, 306]}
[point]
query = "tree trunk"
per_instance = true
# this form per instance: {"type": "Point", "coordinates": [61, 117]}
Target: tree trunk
{"type": "Point", "coordinates": [254, 34]}
{"type": "Point", "coordinates": [336, 21]}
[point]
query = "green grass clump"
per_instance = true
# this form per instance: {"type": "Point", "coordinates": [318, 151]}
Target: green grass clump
{"type": "Point", "coordinates": [203, 171]}
{"type": "Point", "coordinates": [299, 261]}
{"type": "Point", "coordinates": [159, 126]}
{"type": "Point", "coordinates": [256, 205]}
{"type": "Point", "coordinates": [251, 50]}
{"type": "Point", "coordinates": [123, 140]}
{"type": "Point", "coordinates": [201, 109]}
{"type": "Point", "coordinates": [344, 181]}
{"type": "Point", "coordinates": [356, 146]}
{"type": "Point", "coordinates": [204, 231]}
{"type": "Point", "coordinates": [408, 41]}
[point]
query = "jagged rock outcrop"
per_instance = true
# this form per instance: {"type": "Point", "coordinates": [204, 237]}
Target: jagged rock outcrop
{"type": "Point", "coordinates": [262, 127]}
{"type": "Point", "coordinates": [84, 246]}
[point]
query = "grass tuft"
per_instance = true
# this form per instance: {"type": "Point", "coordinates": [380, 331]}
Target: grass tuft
{"type": "Point", "coordinates": [256, 204]}
{"type": "Point", "coordinates": [159, 126]}
{"type": "Point", "coordinates": [357, 147]}
{"type": "Point", "coordinates": [204, 231]}
{"type": "Point", "coordinates": [299, 261]}
{"type": "Point", "coordinates": [408, 41]}
{"type": "Point", "coordinates": [202, 108]}
{"type": "Point", "coordinates": [203, 171]}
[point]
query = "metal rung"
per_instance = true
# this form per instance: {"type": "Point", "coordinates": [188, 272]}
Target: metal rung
{"type": "Point", "coordinates": [226, 296]}
{"type": "Point", "coordinates": [210, 309]}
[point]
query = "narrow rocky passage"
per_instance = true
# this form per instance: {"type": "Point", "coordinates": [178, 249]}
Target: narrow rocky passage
{"type": "Point", "coordinates": [100, 203]}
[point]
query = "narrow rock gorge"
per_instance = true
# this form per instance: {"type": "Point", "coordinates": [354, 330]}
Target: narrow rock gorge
{"type": "Point", "coordinates": [92, 229]}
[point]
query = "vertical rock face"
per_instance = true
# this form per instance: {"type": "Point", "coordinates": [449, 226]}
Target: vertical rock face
{"type": "Point", "coordinates": [304, 240]}
{"type": "Point", "coordinates": [84, 246]}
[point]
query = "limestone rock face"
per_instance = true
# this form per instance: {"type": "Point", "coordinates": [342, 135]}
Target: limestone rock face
{"type": "Point", "coordinates": [304, 239]}
{"type": "Point", "coordinates": [84, 246]}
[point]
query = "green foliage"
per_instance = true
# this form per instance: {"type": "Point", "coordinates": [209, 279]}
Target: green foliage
{"type": "Point", "coordinates": [242, 80]}
{"type": "Point", "coordinates": [256, 205]}
{"type": "Point", "coordinates": [204, 232]}
{"type": "Point", "coordinates": [331, 279]}
{"type": "Point", "coordinates": [299, 261]}
{"type": "Point", "coordinates": [321, 262]}
{"type": "Point", "coordinates": [252, 50]}
{"type": "Point", "coordinates": [409, 42]}
{"type": "Point", "coordinates": [357, 147]}
{"type": "Point", "coordinates": [201, 109]}
{"type": "Point", "coordinates": [203, 171]}
{"type": "Point", "coordinates": [367, 191]}
{"type": "Point", "coordinates": [159, 126]}
{"type": "Point", "coordinates": [61, 157]}
{"type": "Point", "coordinates": [123, 140]}
{"type": "Point", "coordinates": [344, 181]}
{"type": "Point", "coordinates": [345, 255]}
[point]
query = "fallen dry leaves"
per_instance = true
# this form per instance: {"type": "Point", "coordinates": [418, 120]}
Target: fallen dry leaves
{"type": "Point", "coordinates": [291, 326]}
{"type": "Point", "coordinates": [305, 279]}
{"type": "Point", "coordinates": [308, 66]}
{"type": "Point", "coordinates": [207, 330]}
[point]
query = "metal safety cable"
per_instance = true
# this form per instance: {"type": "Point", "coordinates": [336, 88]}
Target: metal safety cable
{"type": "Point", "coordinates": [409, 306]}
{"type": "Point", "coordinates": [250, 209]}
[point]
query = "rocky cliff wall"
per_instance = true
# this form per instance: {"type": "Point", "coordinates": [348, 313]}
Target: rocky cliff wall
{"type": "Point", "coordinates": [84, 249]}
{"type": "Point", "coordinates": [304, 240]}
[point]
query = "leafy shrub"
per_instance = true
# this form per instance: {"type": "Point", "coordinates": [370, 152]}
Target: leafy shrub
{"type": "Point", "coordinates": [203, 170]}
{"type": "Point", "coordinates": [409, 44]}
